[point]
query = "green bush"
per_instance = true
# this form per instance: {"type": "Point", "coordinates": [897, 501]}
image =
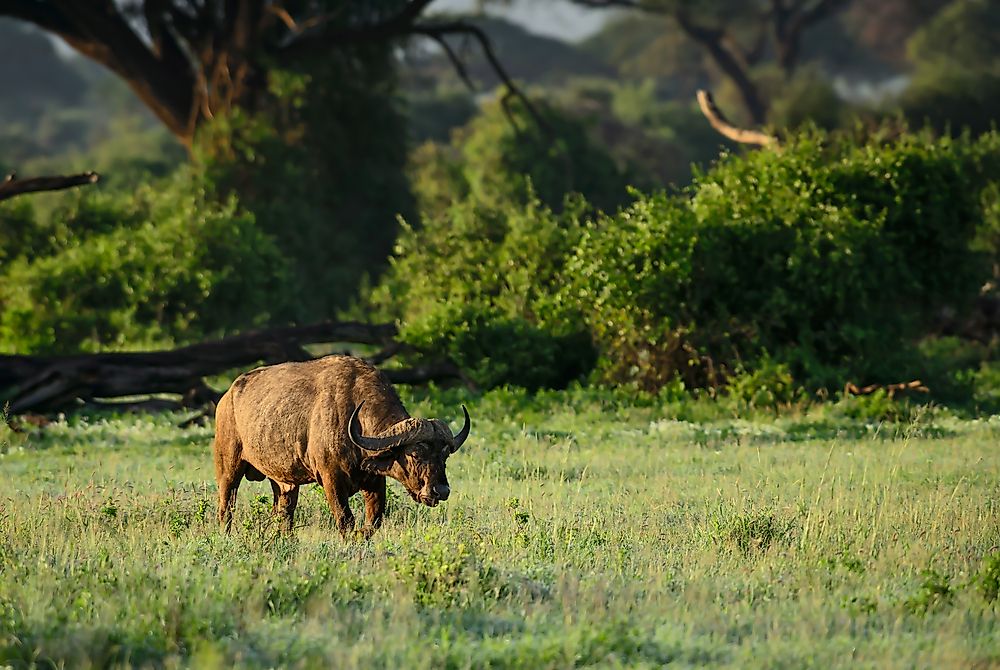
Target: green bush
{"type": "Point", "coordinates": [159, 265]}
{"type": "Point", "coordinates": [830, 255]}
{"type": "Point", "coordinates": [988, 579]}
{"type": "Point", "coordinates": [824, 262]}
{"type": "Point", "coordinates": [496, 350]}
{"type": "Point", "coordinates": [769, 386]}
{"type": "Point", "coordinates": [476, 284]}
{"type": "Point", "coordinates": [320, 162]}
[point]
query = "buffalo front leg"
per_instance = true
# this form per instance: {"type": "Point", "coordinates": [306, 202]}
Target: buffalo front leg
{"type": "Point", "coordinates": [229, 485]}
{"type": "Point", "coordinates": [374, 496]}
{"type": "Point", "coordinates": [337, 498]}
{"type": "Point", "coordinates": [286, 497]}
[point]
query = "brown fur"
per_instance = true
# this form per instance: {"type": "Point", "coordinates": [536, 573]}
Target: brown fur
{"type": "Point", "coordinates": [288, 423]}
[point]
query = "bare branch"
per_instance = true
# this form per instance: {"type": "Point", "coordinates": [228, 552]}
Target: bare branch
{"type": "Point", "coordinates": [397, 25]}
{"type": "Point", "coordinates": [850, 388]}
{"type": "Point", "coordinates": [456, 62]}
{"type": "Point", "coordinates": [438, 31]}
{"type": "Point", "coordinates": [12, 186]}
{"type": "Point", "coordinates": [791, 22]}
{"type": "Point", "coordinates": [721, 124]}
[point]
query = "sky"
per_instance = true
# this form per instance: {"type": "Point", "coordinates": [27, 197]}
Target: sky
{"type": "Point", "coordinates": [554, 18]}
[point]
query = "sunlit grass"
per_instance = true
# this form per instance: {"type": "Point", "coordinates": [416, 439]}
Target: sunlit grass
{"type": "Point", "coordinates": [581, 531]}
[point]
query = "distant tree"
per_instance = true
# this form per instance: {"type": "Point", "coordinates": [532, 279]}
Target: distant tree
{"type": "Point", "coordinates": [741, 34]}
{"type": "Point", "coordinates": [647, 48]}
{"type": "Point", "coordinates": [493, 162]}
{"type": "Point", "coordinates": [884, 26]}
{"type": "Point", "coordinates": [193, 60]}
{"type": "Point", "coordinates": [291, 105]}
{"type": "Point", "coordinates": [531, 58]}
{"type": "Point", "coordinates": [30, 66]}
{"type": "Point", "coordinates": [956, 68]}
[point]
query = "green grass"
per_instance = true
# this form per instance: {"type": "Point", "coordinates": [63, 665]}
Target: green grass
{"type": "Point", "coordinates": [583, 530]}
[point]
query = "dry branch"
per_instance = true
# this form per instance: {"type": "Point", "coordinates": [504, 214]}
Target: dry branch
{"type": "Point", "coordinates": [727, 129]}
{"type": "Point", "coordinates": [46, 383]}
{"type": "Point", "coordinates": [891, 389]}
{"type": "Point", "coordinates": [12, 186]}
{"type": "Point", "coordinates": [440, 31]}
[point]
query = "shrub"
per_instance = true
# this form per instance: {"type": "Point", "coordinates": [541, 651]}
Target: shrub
{"type": "Point", "coordinates": [825, 262]}
{"type": "Point", "coordinates": [769, 386]}
{"type": "Point", "coordinates": [987, 582]}
{"type": "Point", "coordinates": [752, 531]}
{"type": "Point", "coordinates": [476, 284]}
{"type": "Point", "coordinates": [935, 591]}
{"type": "Point", "coordinates": [497, 350]}
{"type": "Point", "coordinates": [124, 270]}
{"type": "Point", "coordinates": [830, 255]}
{"type": "Point", "coordinates": [321, 163]}
{"type": "Point", "coordinates": [20, 235]}
{"type": "Point", "coordinates": [984, 385]}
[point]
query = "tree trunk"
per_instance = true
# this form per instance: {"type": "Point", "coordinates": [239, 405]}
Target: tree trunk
{"type": "Point", "coordinates": [731, 65]}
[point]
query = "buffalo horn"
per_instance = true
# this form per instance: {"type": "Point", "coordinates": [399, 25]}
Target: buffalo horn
{"type": "Point", "coordinates": [362, 442]}
{"type": "Point", "coordinates": [463, 434]}
{"type": "Point", "coordinates": [404, 432]}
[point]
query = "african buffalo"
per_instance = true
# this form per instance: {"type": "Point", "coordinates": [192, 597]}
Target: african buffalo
{"type": "Point", "coordinates": [298, 423]}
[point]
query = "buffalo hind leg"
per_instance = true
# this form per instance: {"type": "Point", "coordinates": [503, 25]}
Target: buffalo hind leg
{"type": "Point", "coordinates": [374, 497]}
{"type": "Point", "coordinates": [229, 485]}
{"type": "Point", "coordinates": [286, 497]}
{"type": "Point", "coordinates": [228, 455]}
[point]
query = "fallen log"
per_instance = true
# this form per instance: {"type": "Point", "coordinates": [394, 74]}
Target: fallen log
{"type": "Point", "coordinates": [48, 383]}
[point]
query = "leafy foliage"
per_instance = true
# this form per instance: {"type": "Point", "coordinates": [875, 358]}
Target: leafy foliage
{"type": "Point", "coordinates": [769, 385]}
{"type": "Point", "coordinates": [321, 166]}
{"type": "Point", "coordinates": [988, 579]}
{"type": "Point", "coordinates": [120, 270]}
{"type": "Point", "coordinates": [823, 262]}
{"type": "Point", "coordinates": [475, 283]}
{"type": "Point", "coordinates": [830, 256]}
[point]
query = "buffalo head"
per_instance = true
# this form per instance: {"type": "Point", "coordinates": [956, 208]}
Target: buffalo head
{"type": "Point", "coordinates": [413, 452]}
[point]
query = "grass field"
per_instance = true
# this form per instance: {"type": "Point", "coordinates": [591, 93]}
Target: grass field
{"type": "Point", "coordinates": [582, 531]}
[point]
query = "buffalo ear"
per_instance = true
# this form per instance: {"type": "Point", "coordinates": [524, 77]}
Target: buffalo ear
{"type": "Point", "coordinates": [380, 464]}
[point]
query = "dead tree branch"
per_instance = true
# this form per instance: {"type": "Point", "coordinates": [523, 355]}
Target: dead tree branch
{"type": "Point", "coordinates": [727, 129]}
{"type": "Point", "coordinates": [890, 389]}
{"type": "Point", "coordinates": [12, 186]}
{"type": "Point", "coordinates": [440, 31]}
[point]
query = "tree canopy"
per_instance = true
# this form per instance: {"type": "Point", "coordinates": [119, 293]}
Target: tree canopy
{"type": "Point", "coordinates": [190, 61]}
{"type": "Point", "coordinates": [740, 35]}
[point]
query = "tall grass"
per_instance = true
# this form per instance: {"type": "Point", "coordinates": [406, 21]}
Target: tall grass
{"type": "Point", "coordinates": [582, 531]}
